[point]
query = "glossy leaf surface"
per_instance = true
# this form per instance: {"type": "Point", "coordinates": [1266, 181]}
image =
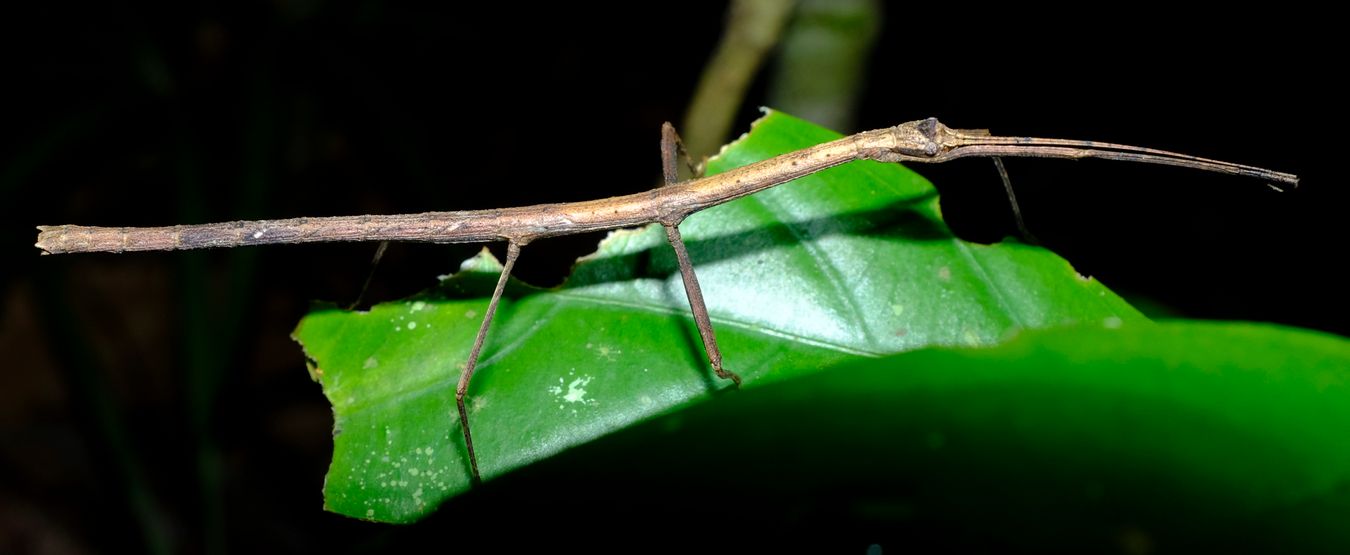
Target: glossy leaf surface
{"type": "Point", "coordinates": [850, 263]}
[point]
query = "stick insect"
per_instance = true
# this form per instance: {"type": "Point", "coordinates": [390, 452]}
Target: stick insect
{"type": "Point", "coordinates": [925, 141]}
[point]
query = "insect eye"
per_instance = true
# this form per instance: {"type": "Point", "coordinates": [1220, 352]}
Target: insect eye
{"type": "Point", "coordinates": [930, 128]}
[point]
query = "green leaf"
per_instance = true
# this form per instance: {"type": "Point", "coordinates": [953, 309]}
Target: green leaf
{"type": "Point", "coordinates": [849, 263]}
{"type": "Point", "coordinates": [1179, 437]}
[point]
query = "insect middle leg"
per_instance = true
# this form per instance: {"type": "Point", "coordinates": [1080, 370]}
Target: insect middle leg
{"type": "Point", "coordinates": [671, 148]}
{"type": "Point", "coordinates": [512, 252]}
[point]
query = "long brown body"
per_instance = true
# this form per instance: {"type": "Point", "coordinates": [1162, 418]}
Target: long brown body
{"type": "Point", "coordinates": [917, 141]}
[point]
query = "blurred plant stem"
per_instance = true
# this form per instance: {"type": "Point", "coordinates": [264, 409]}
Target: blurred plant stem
{"type": "Point", "coordinates": [753, 28]}
{"type": "Point", "coordinates": [820, 70]}
{"type": "Point", "coordinates": [822, 62]}
{"type": "Point", "coordinates": [100, 414]}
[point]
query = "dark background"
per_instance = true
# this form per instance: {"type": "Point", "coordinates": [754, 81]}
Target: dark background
{"type": "Point", "coordinates": [156, 401]}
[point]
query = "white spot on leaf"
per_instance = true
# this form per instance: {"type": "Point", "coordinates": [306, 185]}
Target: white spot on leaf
{"type": "Point", "coordinates": [576, 391]}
